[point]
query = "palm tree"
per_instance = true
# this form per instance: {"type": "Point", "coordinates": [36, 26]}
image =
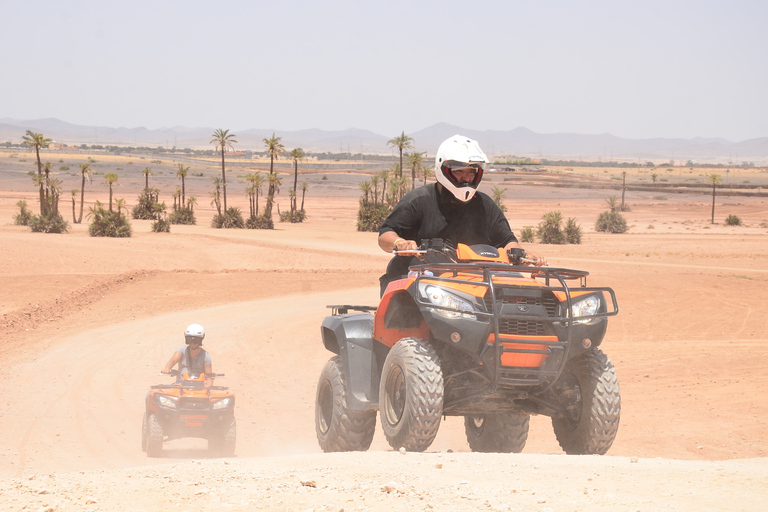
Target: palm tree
{"type": "Point", "coordinates": [223, 140]}
{"type": "Point", "coordinates": [255, 182]}
{"type": "Point", "coordinates": [37, 141]}
{"type": "Point", "coordinates": [182, 173]}
{"type": "Point", "coordinates": [275, 149]}
{"type": "Point", "coordinates": [304, 188]}
{"type": "Point", "coordinates": [74, 192]}
{"type": "Point", "coordinates": [623, 189]}
{"type": "Point", "coordinates": [47, 166]}
{"type": "Point", "coordinates": [120, 204]}
{"type": "Point", "coordinates": [384, 175]}
{"type": "Point", "coordinates": [177, 199]}
{"type": "Point", "coordinates": [216, 194]}
{"type": "Point", "coordinates": [375, 188]}
{"type": "Point", "coordinates": [191, 203]}
{"type": "Point", "coordinates": [54, 187]}
{"type": "Point", "coordinates": [274, 187]}
{"type": "Point", "coordinates": [715, 179]}
{"type": "Point", "coordinates": [365, 187]}
{"type": "Point", "coordinates": [498, 197]}
{"type": "Point", "coordinates": [428, 172]}
{"type": "Point", "coordinates": [85, 171]}
{"type": "Point", "coordinates": [147, 172]}
{"type": "Point", "coordinates": [415, 161]}
{"type": "Point", "coordinates": [402, 142]}
{"type": "Point", "coordinates": [111, 179]}
{"type": "Point", "coordinates": [296, 154]}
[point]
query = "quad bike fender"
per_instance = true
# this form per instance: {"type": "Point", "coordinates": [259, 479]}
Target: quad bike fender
{"type": "Point", "coordinates": [398, 316]}
{"type": "Point", "coordinates": [349, 336]}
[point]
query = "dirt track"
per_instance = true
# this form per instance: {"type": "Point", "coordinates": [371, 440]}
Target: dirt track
{"type": "Point", "coordinates": [87, 323]}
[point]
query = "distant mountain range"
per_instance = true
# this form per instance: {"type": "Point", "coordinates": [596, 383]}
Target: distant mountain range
{"type": "Point", "coordinates": [519, 142]}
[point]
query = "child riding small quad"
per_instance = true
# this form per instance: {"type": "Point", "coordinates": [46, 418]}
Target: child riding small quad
{"type": "Point", "coordinates": [188, 408]}
{"type": "Point", "coordinates": [472, 333]}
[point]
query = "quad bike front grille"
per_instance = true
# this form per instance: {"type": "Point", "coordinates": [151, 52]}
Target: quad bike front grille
{"type": "Point", "coordinates": [547, 300]}
{"type": "Point", "coordinates": [521, 327]}
{"type": "Point", "coordinates": [194, 403]}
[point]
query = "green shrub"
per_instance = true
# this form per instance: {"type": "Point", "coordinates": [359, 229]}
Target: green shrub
{"type": "Point", "coordinates": [611, 222]}
{"type": "Point", "coordinates": [161, 226]}
{"type": "Point", "coordinates": [182, 216]}
{"type": "Point", "coordinates": [23, 217]}
{"type": "Point", "coordinates": [371, 216]}
{"type": "Point", "coordinates": [53, 223]}
{"type": "Point", "coordinates": [260, 222]}
{"type": "Point", "coordinates": [107, 223]}
{"type": "Point", "coordinates": [549, 230]}
{"type": "Point", "coordinates": [232, 218]}
{"type": "Point", "coordinates": [733, 220]}
{"type": "Point", "coordinates": [145, 208]}
{"type": "Point", "coordinates": [298, 216]}
{"type": "Point", "coordinates": [572, 232]}
{"type": "Point", "coordinates": [526, 235]}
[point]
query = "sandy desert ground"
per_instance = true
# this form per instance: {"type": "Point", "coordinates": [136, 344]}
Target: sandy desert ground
{"type": "Point", "coordinates": [87, 323]}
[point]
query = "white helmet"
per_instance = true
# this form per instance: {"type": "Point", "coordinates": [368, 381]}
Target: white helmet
{"type": "Point", "coordinates": [459, 152]}
{"type": "Point", "coordinates": [194, 332]}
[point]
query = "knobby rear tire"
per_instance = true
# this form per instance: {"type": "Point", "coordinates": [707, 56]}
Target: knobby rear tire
{"type": "Point", "coordinates": [339, 428]}
{"type": "Point", "coordinates": [504, 432]}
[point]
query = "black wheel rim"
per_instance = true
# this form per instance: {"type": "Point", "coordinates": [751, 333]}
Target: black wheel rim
{"type": "Point", "coordinates": [394, 396]}
{"type": "Point", "coordinates": [570, 393]}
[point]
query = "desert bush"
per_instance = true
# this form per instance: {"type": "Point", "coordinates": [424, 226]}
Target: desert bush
{"type": "Point", "coordinates": [145, 208]}
{"type": "Point", "coordinates": [733, 220]}
{"type": "Point", "coordinates": [182, 216]}
{"type": "Point", "coordinates": [232, 218]}
{"type": "Point", "coordinates": [161, 226]}
{"type": "Point", "coordinates": [295, 217]}
{"type": "Point", "coordinates": [526, 235]}
{"type": "Point", "coordinates": [371, 216]}
{"type": "Point", "coordinates": [572, 232]}
{"type": "Point", "coordinates": [549, 230]}
{"type": "Point", "coordinates": [259, 222]}
{"type": "Point", "coordinates": [107, 223]}
{"type": "Point", "coordinates": [611, 222]}
{"type": "Point", "coordinates": [50, 223]}
{"type": "Point", "coordinates": [23, 217]}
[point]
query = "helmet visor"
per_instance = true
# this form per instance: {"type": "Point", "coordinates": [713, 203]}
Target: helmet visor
{"type": "Point", "coordinates": [462, 173]}
{"type": "Point", "coordinates": [194, 340]}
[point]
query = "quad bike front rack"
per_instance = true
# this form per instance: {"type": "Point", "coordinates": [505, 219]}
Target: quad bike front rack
{"type": "Point", "coordinates": [556, 351]}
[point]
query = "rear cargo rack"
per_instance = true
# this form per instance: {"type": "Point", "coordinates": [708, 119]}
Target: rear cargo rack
{"type": "Point", "coordinates": [554, 281]}
{"type": "Point", "coordinates": [343, 309]}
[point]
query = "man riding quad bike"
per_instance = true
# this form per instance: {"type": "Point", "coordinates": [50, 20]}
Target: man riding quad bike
{"type": "Point", "coordinates": [471, 332]}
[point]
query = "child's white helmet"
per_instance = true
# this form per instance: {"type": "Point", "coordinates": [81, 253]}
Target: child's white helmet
{"type": "Point", "coordinates": [459, 152]}
{"type": "Point", "coordinates": [194, 332]}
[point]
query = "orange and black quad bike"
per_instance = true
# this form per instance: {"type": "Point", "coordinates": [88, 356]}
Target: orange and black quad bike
{"type": "Point", "coordinates": [471, 332]}
{"type": "Point", "coordinates": [188, 408]}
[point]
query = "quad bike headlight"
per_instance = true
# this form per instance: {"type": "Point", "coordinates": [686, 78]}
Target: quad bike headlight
{"type": "Point", "coordinates": [221, 404]}
{"type": "Point", "coordinates": [459, 307]}
{"type": "Point", "coordinates": [166, 402]}
{"type": "Point", "coordinates": [585, 307]}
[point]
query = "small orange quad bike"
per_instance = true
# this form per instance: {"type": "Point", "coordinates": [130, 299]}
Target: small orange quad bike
{"type": "Point", "coordinates": [189, 409]}
{"type": "Point", "coordinates": [471, 332]}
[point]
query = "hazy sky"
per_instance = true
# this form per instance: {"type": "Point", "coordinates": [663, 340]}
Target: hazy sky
{"type": "Point", "coordinates": [638, 69]}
